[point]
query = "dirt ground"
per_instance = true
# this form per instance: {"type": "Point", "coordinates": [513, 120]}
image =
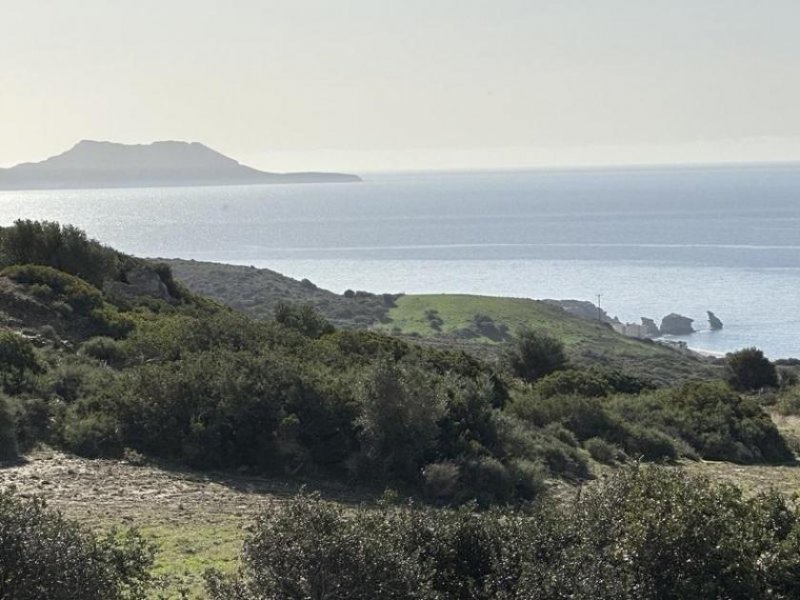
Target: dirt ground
{"type": "Point", "coordinates": [197, 520]}
{"type": "Point", "coordinates": [94, 491]}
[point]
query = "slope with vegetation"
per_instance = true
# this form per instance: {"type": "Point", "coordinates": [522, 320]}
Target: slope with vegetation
{"type": "Point", "coordinates": [477, 324]}
{"type": "Point", "coordinates": [95, 364]}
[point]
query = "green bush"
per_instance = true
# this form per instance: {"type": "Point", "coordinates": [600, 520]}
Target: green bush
{"type": "Point", "coordinates": [651, 444]}
{"type": "Point", "coordinates": [81, 296]}
{"type": "Point", "coordinates": [92, 435]}
{"type": "Point", "coordinates": [105, 349]}
{"type": "Point", "coordinates": [8, 432]}
{"type": "Point", "coordinates": [211, 409]}
{"type": "Point", "coordinates": [601, 450]}
{"type": "Point", "coordinates": [542, 446]}
{"type": "Point", "coordinates": [645, 533]}
{"type": "Point", "coordinates": [655, 533]}
{"type": "Point", "coordinates": [715, 421]}
{"type": "Point", "coordinates": [789, 402]}
{"type": "Point", "coordinates": [534, 354]}
{"type": "Point", "coordinates": [312, 549]}
{"type": "Point", "coordinates": [35, 418]}
{"type": "Point", "coordinates": [17, 361]}
{"type": "Point", "coordinates": [572, 382]}
{"type": "Point", "coordinates": [441, 479]}
{"type": "Point", "coordinates": [65, 248]}
{"type": "Point", "coordinates": [44, 556]}
{"type": "Point", "coordinates": [400, 410]}
{"type": "Point", "coordinates": [302, 318]}
{"type": "Point", "coordinates": [750, 370]}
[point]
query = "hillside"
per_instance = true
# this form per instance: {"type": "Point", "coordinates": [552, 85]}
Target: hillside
{"type": "Point", "coordinates": [128, 400]}
{"type": "Point", "coordinates": [478, 324]}
{"type": "Point", "coordinates": [492, 320]}
{"type": "Point", "coordinates": [256, 292]}
{"type": "Point", "coordinates": [93, 164]}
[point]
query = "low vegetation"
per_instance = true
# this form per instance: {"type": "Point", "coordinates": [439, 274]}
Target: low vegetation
{"type": "Point", "coordinates": [43, 555]}
{"type": "Point", "coordinates": [643, 533]}
{"type": "Point", "coordinates": [177, 378]}
{"type": "Point", "coordinates": [480, 325]}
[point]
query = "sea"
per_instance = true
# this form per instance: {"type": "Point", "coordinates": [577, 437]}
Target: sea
{"type": "Point", "coordinates": [643, 241]}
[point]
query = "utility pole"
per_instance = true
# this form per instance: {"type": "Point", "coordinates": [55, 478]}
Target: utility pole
{"type": "Point", "coordinates": [599, 310]}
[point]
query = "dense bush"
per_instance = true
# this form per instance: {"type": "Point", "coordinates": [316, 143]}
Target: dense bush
{"type": "Point", "coordinates": [643, 533]}
{"type": "Point", "coordinates": [573, 383]}
{"type": "Point", "coordinates": [534, 354]}
{"type": "Point", "coordinates": [65, 248]}
{"type": "Point", "coordinates": [398, 424]}
{"type": "Point", "coordinates": [601, 450]}
{"type": "Point", "coordinates": [8, 432]}
{"type": "Point", "coordinates": [751, 370]}
{"type": "Point", "coordinates": [598, 418]}
{"type": "Point", "coordinates": [43, 555]}
{"type": "Point", "coordinates": [105, 349]}
{"type": "Point", "coordinates": [211, 409]}
{"type": "Point", "coordinates": [17, 361]}
{"type": "Point", "coordinates": [35, 420]}
{"type": "Point", "coordinates": [302, 318]}
{"type": "Point", "coordinates": [71, 296]}
{"type": "Point", "coordinates": [199, 384]}
{"type": "Point", "coordinates": [311, 549]}
{"type": "Point", "coordinates": [714, 420]}
{"type": "Point", "coordinates": [82, 297]}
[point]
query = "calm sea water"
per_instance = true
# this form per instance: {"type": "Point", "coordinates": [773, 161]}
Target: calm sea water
{"type": "Point", "coordinates": [650, 241]}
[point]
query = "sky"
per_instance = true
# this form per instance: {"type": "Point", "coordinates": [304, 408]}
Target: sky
{"type": "Point", "coordinates": [377, 85]}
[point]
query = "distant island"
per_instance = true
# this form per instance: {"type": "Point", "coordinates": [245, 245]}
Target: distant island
{"type": "Point", "coordinates": [93, 164]}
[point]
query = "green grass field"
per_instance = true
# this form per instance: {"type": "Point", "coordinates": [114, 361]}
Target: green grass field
{"type": "Point", "coordinates": [586, 342]}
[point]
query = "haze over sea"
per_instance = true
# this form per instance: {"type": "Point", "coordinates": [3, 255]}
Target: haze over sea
{"type": "Point", "coordinates": [650, 240]}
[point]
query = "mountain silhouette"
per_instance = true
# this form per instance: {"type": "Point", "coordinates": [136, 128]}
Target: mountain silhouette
{"type": "Point", "coordinates": [92, 164]}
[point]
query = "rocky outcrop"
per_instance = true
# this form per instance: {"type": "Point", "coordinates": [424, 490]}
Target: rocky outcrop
{"type": "Point", "coordinates": [649, 328]}
{"type": "Point", "coordinates": [140, 282]}
{"type": "Point", "coordinates": [675, 324]}
{"type": "Point", "coordinates": [714, 321]}
{"type": "Point", "coordinates": [633, 330]}
{"type": "Point", "coordinates": [582, 309]}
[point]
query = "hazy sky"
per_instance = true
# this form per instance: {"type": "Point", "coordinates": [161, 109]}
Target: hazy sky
{"type": "Point", "coordinates": [393, 84]}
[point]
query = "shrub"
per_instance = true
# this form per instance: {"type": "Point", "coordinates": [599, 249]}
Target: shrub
{"type": "Point", "coordinates": [655, 533]}
{"type": "Point", "coordinates": [8, 432]}
{"type": "Point", "coordinates": [92, 435]}
{"type": "Point", "coordinates": [534, 354]}
{"type": "Point", "coordinates": [789, 403]}
{"type": "Point", "coordinates": [522, 441]}
{"type": "Point", "coordinates": [652, 444]}
{"type": "Point", "coordinates": [105, 349]}
{"type": "Point", "coordinates": [211, 409]}
{"type": "Point", "coordinates": [601, 450]}
{"type": "Point", "coordinates": [35, 420]}
{"type": "Point", "coordinates": [434, 320]}
{"type": "Point", "coordinates": [441, 479]}
{"type": "Point", "coordinates": [573, 382]}
{"type": "Point", "coordinates": [400, 409]}
{"type": "Point", "coordinates": [312, 549]}
{"type": "Point", "coordinates": [302, 318]}
{"type": "Point", "coordinates": [487, 481]}
{"type": "Point", "coordinates": [65, 248]}
{"type": "Point", "coordinates": [643, 532]}
{"type": "Point", "coordinates": [70, 380]}
{"type": "Point", "coordinates": [81, 296]}
{"type": "Point", "coordinates": [714, 420]}
{"type": "Point", "coordinates": [750, 370]}
{"type": "Point", "coordinates": [486, 326]}
{"type": "Point", "coordinates": [43, 555]}
{"type": "Point", "coordinates": [17, 360]}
